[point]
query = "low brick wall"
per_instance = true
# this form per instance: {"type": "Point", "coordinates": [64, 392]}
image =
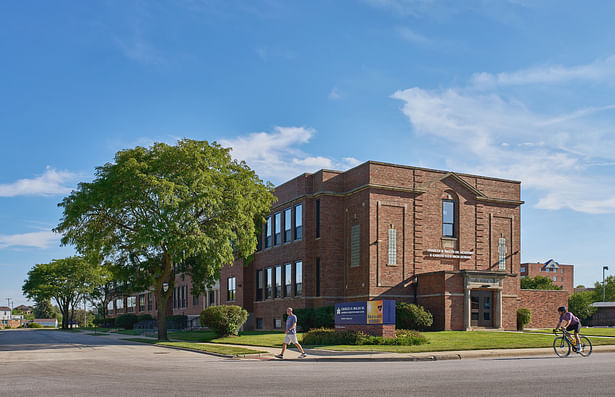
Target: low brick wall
{"type": "Point", "coordinates": [543, 306]}
{"type": "Point", "coordinates": [386, 331]}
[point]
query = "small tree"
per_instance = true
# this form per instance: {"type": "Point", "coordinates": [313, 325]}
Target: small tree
{"type": "Point", "coordinates": [539, 282]}
{"type": "Point", "coordinates": [67, 281]}
{"type": "Point", "coordinates": [609, 290]}
{"type": "Point", "coordinates": [225, 319]}
{"type": "Point", "coordinates": [43, 309]}
{"type": "Point", "coordinates": [524, 316]}
{"type": "Point", "coordinates": [580, 303]}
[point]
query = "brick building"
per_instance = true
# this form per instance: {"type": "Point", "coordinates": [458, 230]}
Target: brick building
{"type": "Point", "coordinates": [562, 275]}
{"type": "Point", "coordinates": [446, 241]}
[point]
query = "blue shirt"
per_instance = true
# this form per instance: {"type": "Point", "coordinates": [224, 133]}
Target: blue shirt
{"type": "Point", "coordinates": [292, 319]}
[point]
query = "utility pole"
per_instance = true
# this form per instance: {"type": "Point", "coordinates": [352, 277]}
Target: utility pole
{"type": "Point", "coordinates": [604, 269]}
{"type": "Point", "coordinates": [9, 303]}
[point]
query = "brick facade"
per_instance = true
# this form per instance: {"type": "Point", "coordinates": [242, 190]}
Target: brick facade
{"type": "Point", "coordinates": [543, 306]}
{"type": "Point", "coordinates": [381, 231]}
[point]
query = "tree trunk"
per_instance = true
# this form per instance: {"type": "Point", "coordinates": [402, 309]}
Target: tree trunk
{"type": "Point", "coordinates": [163, 301]}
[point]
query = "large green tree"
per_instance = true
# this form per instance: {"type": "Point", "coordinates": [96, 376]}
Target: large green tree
{"type": "Point", "coordinates": [68, 281]}
{"type": "Point", "coordinates": [538, 282]}
{"type": "Point", "coordinates": [168, 209]}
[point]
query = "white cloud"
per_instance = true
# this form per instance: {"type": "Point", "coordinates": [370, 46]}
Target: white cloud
{"type": "Point", "coordinates": [412, 36]}
{"type": "Point", "coordinates": [275, 156]}
{"type": "Point", "coordinates": [138, 49]}
{"type": "Point", "coordinates": [602, 70]}
{"type": "Point", "coordinates": [52, 182]}
{"type": "Point", "coordinates": [335, 94]}
{"type": "Point", "coordinates": [43, 239]}
{"type": "Point", "coordinates": [489, 134]}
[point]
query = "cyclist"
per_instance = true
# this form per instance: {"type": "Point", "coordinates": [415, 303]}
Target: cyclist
{"type": "Point", "coordinates": [569, 322]}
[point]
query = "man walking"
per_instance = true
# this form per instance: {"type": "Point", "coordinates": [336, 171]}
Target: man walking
{"type": "Point", "coordinates": [291, 334]}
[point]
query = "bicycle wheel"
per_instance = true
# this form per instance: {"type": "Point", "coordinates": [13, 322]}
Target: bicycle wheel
{"type": "Point", "coordinates": [561, 346]}
{"type": "Point", "coordinates": [586, 346]}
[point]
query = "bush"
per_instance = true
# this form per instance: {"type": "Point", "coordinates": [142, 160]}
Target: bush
{"type": "Point", "coordinates": [179, 321]}
{"type": "Point", "coordinates": [34, 325]}
{"type": "Point", "coordinates": [126, 321]}
{"type": "Point", "coordinates": [523, 318]}
{"type": "Point", "coordinates": [225, 319]}
{"type": "Point", "coordinates": [411, 316]}
{"type": "Point", "coordinates": [308, 318]}
{"type": "Point", "coordinates": [328, 336]}
{"type": "Point", "coordinates": [145, 317]}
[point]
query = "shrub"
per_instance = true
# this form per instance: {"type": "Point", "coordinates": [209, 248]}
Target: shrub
{"type": "Point", "coordinates": [144, 317]}
{"type": "Point", "coordinates": [126, 321]}
{"type": "Point", "coordinates": [411, 316]}
{"type": "Point", "coordinates": [225, 319]}
{"type": "Point", "coordinates": [327, 336]}
{"type": "Point", "coordinates": [179, 321]}
{"type": "Point", "coordinates": [308, 318]}
{"type": "Point", "coordinates": [523, 318]}
{"type": "Point", "coordinates": [34, 325]}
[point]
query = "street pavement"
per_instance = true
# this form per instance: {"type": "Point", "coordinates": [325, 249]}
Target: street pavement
{"type": "Point", "coordinates": [34, 362]}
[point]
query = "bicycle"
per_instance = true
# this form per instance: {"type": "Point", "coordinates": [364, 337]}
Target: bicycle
{"type": "Point", "coordinates": [566, 342]}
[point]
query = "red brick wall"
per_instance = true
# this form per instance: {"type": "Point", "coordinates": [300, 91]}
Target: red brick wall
{"type": "Point", "coordinates": [543, 306]}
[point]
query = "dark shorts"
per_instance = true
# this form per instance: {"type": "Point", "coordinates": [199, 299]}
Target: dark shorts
{"type": "Point", "coordinates": [574, 327]}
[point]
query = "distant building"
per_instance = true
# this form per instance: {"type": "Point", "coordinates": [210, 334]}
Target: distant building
{"type": "Point", "coordinates": [605, 316]}
{"type": "Point", "coordinates": [25, 309]}
{"type": "Point", "coordinates": [46, 322]}
{"type": "Point", "coordinates": [562, 275]}
{"type": "Point", "coordinates": [5, 314]}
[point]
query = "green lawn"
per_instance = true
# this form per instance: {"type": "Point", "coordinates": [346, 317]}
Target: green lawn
{"type": "Point", "coordinates": [584, 331]}
{"type": "Point", "coordinates": [210, 348]}
{"type": "Point", "coordinates": [193, 336]}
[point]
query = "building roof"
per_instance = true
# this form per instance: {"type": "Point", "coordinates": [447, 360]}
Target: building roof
{"type": "Point", "coordinates": [603, 304]}
{"type": "Point", "coordinates": [5, 309]}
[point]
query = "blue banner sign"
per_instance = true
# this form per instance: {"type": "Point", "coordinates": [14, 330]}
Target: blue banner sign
{"type": "Point", "coordinates": [365, 313]}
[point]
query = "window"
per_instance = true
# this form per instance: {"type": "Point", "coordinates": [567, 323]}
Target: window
{"type": "Point", "coordinates": [231, 289]}
{"type": "Point", "coordinates": [355, 247]}
{"type": "Point", "coordinates": [288, 221]}
{"type": "Point", "coordinates": [268, 282]}
{"type": "Point", "coordinates": [119, 304]}
{"type": "Point", "coordinates": [259, 323]}
{"type": "Point", "coordinates": [277, 237]}
{"type": "Point", "coordinates": [141, 303]}
{"type": "Point", "coordinates": [195, 299]}
{"type": "Point", "coordinates": [277, 323]}
{"type": "Point", "coordinates": [554, 278]}
{"type": "Point", "coordinates": [110, 307]}
{"type": "Point", "coordinates": [298, 278]}
{"type": "Point", "coordinates": [212, 298]}
{"type": "Point", "coordinates": [392, 246]}
{"type": "Point", "coordinates": [317, 276]}
{"type": "Point", "coordinates": [522, 269]}
{"type": "Point", "coordinates": [318, 218]}
{"type": "Point", "coordinates": [149, 302]}
{"type": "Point", "coordinates": [448, 218]}
{"type": "Point", "coordinates": [175, 298]}
{"type": "Point", "coordinates": [259, 285]}
{"type": "Point", "coordinates": [298, 222]}
{"type": "Point", "coordinates": [131, 303]}
{"type": "Point", "coordinates": [502, 253]}
{"type": "Point", "coordinates": [288, 279]}
{"type": "Point", "coordinates": [184, 295]}
{"type": "Point", "coordinates": [278, 281]}
{"type": "Point", "coordinates": [268, 232]}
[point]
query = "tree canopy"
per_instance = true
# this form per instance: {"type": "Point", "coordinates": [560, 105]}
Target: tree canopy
{"type": "Point", "coordinates": [159, 211]}
{"type": "Point", "coordinates": [539, 282]}
{"type": "Point", "coordinates": [67, 281]}
{"type": "Point", "coordinates": [609, 290]}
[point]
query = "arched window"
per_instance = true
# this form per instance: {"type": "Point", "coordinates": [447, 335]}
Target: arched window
{"type": "Point", "coordinates": [448, 218]}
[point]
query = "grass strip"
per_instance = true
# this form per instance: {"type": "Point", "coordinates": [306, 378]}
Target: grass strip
{"type": "Point", "coordinates": [609, 332]}
{"type": "Point", "coordinates": [225, 350]}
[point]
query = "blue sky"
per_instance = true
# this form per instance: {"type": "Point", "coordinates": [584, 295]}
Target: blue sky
{"type": "Point", "coordinates": [514, 89]}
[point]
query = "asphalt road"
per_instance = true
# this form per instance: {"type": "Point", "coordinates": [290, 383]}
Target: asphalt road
{"type": "Point", "coordinates": [53, 363]}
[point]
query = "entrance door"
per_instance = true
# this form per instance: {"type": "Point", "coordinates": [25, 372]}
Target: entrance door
{"type": "Point", "coordinates": [481, 308]}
